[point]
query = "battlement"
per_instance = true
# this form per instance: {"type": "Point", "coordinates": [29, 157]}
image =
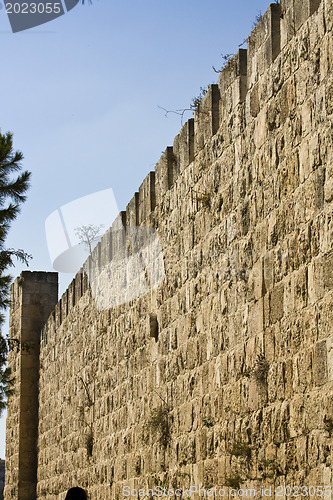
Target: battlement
{"type": "Point", "coordinates": [238, 86]}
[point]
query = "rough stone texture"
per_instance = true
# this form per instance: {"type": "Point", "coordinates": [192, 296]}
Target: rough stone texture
{"type": "Point", "coordinates": [230, 358]}
{"type": "Point", "coordinates": [33, 297]}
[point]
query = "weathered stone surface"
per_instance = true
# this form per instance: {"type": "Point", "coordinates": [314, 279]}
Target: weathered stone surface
{"type": "Point", "coordinates": [221, 372]}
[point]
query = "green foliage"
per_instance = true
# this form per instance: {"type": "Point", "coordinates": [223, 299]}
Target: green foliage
{"type": "Point", "coordinates": [13, 185]}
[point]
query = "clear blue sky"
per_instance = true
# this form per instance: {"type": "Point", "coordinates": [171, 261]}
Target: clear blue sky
{"type": "Point", "coordinates": [80, 95]}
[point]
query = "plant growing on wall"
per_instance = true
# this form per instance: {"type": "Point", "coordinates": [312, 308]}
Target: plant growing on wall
{"type": "Point", "coordinates": [13, 185]}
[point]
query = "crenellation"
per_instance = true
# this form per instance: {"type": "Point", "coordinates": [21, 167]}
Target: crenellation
{"type": "Point", "coordinates": [78, 285]}
{"type": "Point", "coordinates": [166, 173]}
{"type": "Point", "coordinates": [106, 247]}
{"type": "Point", "coordinates": [232, 349]}
{"type": "Point", "coordinates": [94, 263]}
{"type": "Point", "coordinates": [263, 45]}
{"type": "Point", "coordinates": [58, 314]}
{"type": "Point", "coordinates": [147, 199]}
{"type": "Point", "coordinates": [185, 145]}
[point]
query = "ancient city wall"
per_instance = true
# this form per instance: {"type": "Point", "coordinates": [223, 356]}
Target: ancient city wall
{"type": "Point", "coordinates": [221, 372]}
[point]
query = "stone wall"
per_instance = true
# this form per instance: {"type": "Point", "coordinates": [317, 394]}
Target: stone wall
{"type": "Point", "coordinates": [220, 374]}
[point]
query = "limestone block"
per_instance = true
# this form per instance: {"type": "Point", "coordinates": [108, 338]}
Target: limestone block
{"type": "Point", "coordinates": [250, 274]}
{"type": "Point", "coordinates": [306, 114]}
{"type": "Point", "coordinates": [58, 318]}
{"type": "Point", "coordinates": [276, 298]}
{"type": "Point", "coordinates": [268, 271]}
{"type": "Point", "coordinates": [255, 286]}
{"type": "Point", "coordinates": [186, 145]}
{"type": "Point", "coordinates": [314, 193]}
{"type": "Point", "coordinates": [302, 370]}
{"type": "Point", "coordinates": [310, 325]}
{"type": "Point", "coordinates": [293, 15]}
{"type": "Point", "coordinates": [270, 334]}
{"type": "Point", "coordinates": [314, 151]}
{"type": "Point", "coordinates": [329, 98]}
